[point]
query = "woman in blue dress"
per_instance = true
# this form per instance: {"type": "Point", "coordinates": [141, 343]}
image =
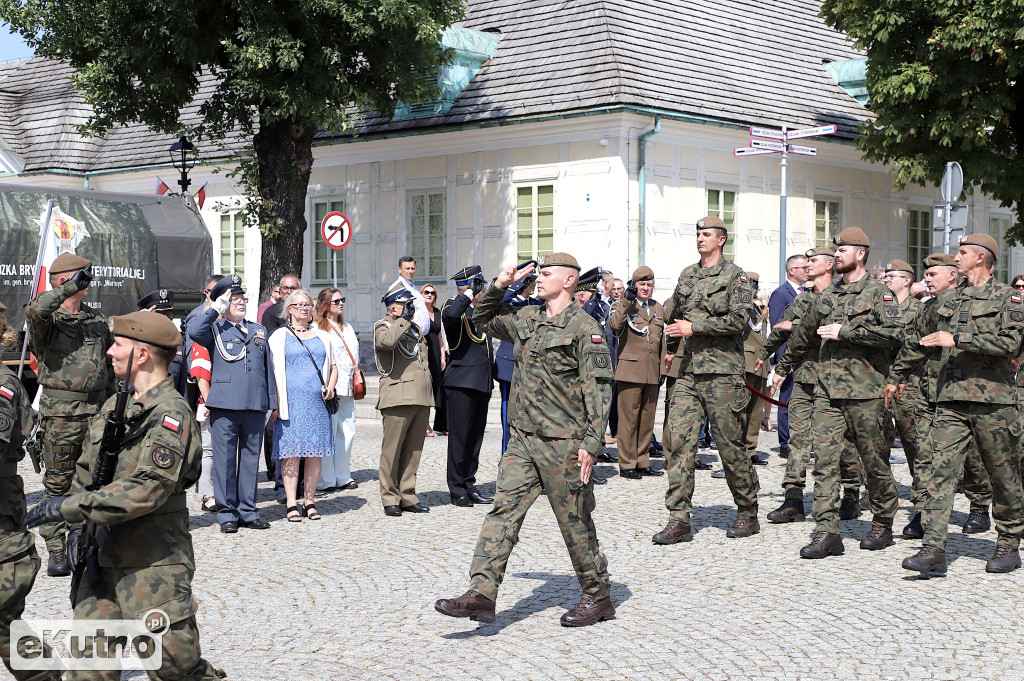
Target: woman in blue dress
{"type": "Point", "coordinates": [305, 372]}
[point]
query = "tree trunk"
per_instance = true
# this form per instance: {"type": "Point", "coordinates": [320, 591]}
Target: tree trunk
{"type": "Point", "coordinates": [284, 157]}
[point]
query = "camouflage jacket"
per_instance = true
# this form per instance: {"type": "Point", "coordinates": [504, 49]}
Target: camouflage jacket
{"type": "Point", "coordinates": [71, 351]}
{"type": "Point", "coordinates": [911, 308]}
{"type": "Point", "coordinates": [806, 366]}
{"type": "Point", "coordinates": [988, 324]}
{"type": "Point", "coordinates": [855, 366]}
{"type": "Point", "coordinates": [16, 417]}
{"type": "Point", "coordinates": [561, 386]}
{"type": "Point", "coordinates": [716, 300]}
{"type": "Point", "coordinates": [142, 514]}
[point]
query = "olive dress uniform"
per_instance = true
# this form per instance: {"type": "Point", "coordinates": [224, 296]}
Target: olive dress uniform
{"type": "Point", "coordinates": [76, 377]}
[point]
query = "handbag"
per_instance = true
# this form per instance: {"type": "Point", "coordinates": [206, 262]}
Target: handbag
{"type": "Point", "coordinates": [331, 404]}
{"type": "Point", "coordinates": [358, 380]}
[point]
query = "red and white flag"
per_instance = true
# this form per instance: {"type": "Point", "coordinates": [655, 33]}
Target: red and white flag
{"type": "Point", "coordinates": [161, 186]}
{"type": "Point", "coordinates": [201, 195]}
{"type": "Point", "coordinates": [48, 251]}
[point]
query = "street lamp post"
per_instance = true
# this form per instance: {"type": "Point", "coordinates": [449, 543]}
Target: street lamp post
{"type": "Point", "coordinates": [184, 159]}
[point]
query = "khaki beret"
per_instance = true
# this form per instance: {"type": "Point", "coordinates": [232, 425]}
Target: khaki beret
{"type": "Point", "coordinates": [899, 266]}
{"type": "Point", "coordinates": [820, 250]}
{"type": "Point", "coordinates": [560, 260]}
{"type": "Point", "coordinates": [68, 262]}
{"type": "Point", "coordinates": [643, 273]}
{"type": "Point", "coordinates": [984, 241]}
{"type": "Point", "coordinates": [148, 327]}
{"type": "Point", "coordinates": [851, 236]}
{"type": "Point", "coordinates": [711, 221]}
{"type": "Point", "coordinates": [936, 259]}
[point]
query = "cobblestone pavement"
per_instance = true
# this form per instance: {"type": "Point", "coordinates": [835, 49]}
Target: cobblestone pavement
{"type": "Point", "coordinates": [352, 596]}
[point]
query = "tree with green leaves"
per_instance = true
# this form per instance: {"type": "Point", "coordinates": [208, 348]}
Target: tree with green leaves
{"type": "Point", "coordinates": [273, 72]}
{"type": "Point", "coordinates": [945, 83]}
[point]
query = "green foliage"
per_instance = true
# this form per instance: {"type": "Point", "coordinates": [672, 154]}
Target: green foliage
{"type": "Point", "coordinates": [945, 84]}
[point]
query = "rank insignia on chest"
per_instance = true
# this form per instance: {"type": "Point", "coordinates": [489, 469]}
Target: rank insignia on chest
{"type": "Point", "coordinates": [230, 346]}
{"type": "Point", "coordinates": [173, 425]}
{"type": "Point", "coordinates": [6, 392]}
{"type": "Point", "coordinates": [595, 338]}
{"type": "Point", "coordinates": [163, 458]}
{"type": "Point", "coordinates": [887, 298]}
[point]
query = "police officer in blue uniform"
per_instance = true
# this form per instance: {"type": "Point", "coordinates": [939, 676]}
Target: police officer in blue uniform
{"type": "Point", "coordinates": [468, 382]}
{"type": "Point", "coordinates": [241, 393]}
{"type": "Point", "coordinates": [517, 295]}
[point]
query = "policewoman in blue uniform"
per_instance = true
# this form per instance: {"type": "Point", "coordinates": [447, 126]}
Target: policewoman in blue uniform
{"type": "Point", "coordinates": [241, 394]}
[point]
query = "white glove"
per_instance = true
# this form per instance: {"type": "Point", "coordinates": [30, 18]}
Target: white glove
{"type": "Point", "coordinates": [221, 304]}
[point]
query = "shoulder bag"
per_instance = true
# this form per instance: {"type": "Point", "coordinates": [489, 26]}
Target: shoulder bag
{"type": "Point", "coordinates": [358, 381]}
{"type": "Point", "coordinates": [331, 404]}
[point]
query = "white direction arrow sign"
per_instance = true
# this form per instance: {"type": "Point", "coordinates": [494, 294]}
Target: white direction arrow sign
{"type": "Point", "coordinates": [811, 132]}
{"type": "Point", "coordinates": [806, 151]}
{"type": "Point", "coordinates": [767, 132]}
{"type": "Point", "coordinates": [762, 144]}
{"type": "Point", "coordinates": [748, 151]}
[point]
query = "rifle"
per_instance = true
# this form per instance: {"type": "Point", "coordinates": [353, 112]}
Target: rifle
{"type": "Point", "coordinates": [86, 548]}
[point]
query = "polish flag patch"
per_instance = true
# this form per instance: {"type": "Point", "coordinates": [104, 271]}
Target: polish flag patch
{"type": "Point", "coordinates": [887, 298]}
{"type": "Point", "coordinates": [596, 338]}
{"type": "Point", "coordinates": [1015, 299]}
{"type": "Point", "coordinates": [6, 392]}
{"type": "Point", "coordinates": [173, 425]}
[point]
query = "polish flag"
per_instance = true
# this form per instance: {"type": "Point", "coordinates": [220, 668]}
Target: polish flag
{"type": "Point", "coordinates": [201, 195]}
{"type": "Point", "coordinates": [161, 186]}
{"type": "Point", "coordinates": [46, 255]}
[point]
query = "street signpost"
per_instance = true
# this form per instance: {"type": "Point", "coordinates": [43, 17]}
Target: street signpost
{"type": "Point", "coordinates": [763, 146]}
{"type": "Point", "coordinates": [952, 186]}
{"type": "Point", "coordinates": [336, 230]}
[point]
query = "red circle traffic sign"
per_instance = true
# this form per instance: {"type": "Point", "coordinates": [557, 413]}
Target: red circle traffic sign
{"type": "Point", "coordinates": [336, 230]}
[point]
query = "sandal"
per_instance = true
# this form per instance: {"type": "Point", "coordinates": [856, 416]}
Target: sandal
{"type": "Point", "coordinates": [297, 518]}
{"type": "Point", "coordinates": [209, 504]}
{"type": "Point", "coordinates": [310, 512]}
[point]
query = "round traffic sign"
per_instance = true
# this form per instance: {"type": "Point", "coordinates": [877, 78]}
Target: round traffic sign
{"type": "Point", "coordinates": [336, 230]}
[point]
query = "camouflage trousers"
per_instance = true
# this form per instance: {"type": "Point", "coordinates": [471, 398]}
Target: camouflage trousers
{"type": "Point", "coordinates": [862, 422]}
{"type": "Point", "coordinates": [128, 593]}
{"type": "Point", "coordinates": [755, 413]}
{"type": "Point", "coordinates": [724, 399]}
{"type": "Point", "coordinates": [977, 485]}
{"type": "Point", "coordinates": [62, 439]}
{"type": "Point", "coordinates": [905, 416]}
{"type": "Point", "coordinates": [801, 419]}
{"type": "Point", "coordinates": [16, 579]}
{"type": "Point", "coordinates": [996, 430]}
{"type": "Point", "coordinates": [666, 427]}
{"type": "Point", "coordinates": [531, 464]}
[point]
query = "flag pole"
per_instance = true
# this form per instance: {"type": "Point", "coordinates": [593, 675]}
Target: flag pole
{"type": "Point", "coordinates": [35, 280]}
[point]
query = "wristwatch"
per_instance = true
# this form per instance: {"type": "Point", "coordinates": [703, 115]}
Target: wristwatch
{"type": "Point", "coordinates": [956, 340]}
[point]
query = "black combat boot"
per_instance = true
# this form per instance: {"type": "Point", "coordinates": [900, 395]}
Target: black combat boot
{"type": "Point", "coordinates": [977, 521]}
{"type": "Point", "coordinates": [790, 511]}
{"type": "Point", "coordinates": [913, 530]}
{"type": "Point", "coordinates": [57, 565]}
{"type": "Point", "coordinates": [1005, 559]}
{"type": "Point", "coordinates": [928, 561]}
{"type": "Point", "coordinates": [849, 508]}
{"type": "Point", "coordinates": [823, 545]}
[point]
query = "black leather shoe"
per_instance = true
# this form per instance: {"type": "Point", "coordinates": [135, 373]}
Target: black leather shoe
{"type": "Point", "coordinates": [230, 527]}
{"type": "Point", "coordinates": [878, 538]}
{"type": "Point", "coordinates": [478, 498]}
{"type": "Point", "coordinates": [823, 545]}
{"type": "Point", "coordinates": [783, 453]}
{"type": "Point", "coordinates": [913, 530]}
{"type": "Point", "coordinates": [393, 511]}
{"type": "Point", "coordinates": [928, 561]}
{"type": "Point", "coordinates": [416, 508]}
{"type": "Point", "coordinates": [57, 564]}
{"type": "Point", "coordinates": [650, 471]}
{"type": "Point", "coordinates": [849, 509]}
{"type": "Point", "coordinates": [656, 453]}
{"type": "Point", "coordinates": [977, 521]}
{"type": "Point", "coordinates": [589, 611]}
{"type": "Point", "coordinates": [790, 511]}
{"type": "Point", "coordinates": [462, 500]}
{"type": "Point", "coordinates": [701, 466]}
{"type": "Point", "coordinates": [258, 524]}
{"type": "Point", "coordinates": [758, 461]}
{"type": "Point", "coordinates": [1005, 559]}
{"type": "Point", "coordinates": [606, 456]}
{"type": "Point", "coordinates": [630, 474]}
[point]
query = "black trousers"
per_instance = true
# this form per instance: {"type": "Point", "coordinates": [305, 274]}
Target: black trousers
{"type": "Point", "coordinates": [467, 418]}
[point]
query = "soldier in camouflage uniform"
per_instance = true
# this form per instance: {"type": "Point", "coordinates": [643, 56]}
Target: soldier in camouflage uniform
{"type": "Point", "coordinates": [979, 326]}
{"type": "Point", "coordinates": [69, 340]}
{"type": "Point", "coordinates": [709, 310]}
{"type": "Point", "coordinates": [561, 391]}
{"type": "Point", "coordinates": [859, 323]}
{"type": "Point", "coordinates": [820, 265]}
{"type": "Point", "coordinates": [19, 563]}
{"type": "Point", "coordinates": [145, 549]}
{"type": "Point", "coordinates": [899, 275]}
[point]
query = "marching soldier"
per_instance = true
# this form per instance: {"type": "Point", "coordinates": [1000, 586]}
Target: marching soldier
{"type": "Point", "coordinates": [858, 322]}
{"type": "Point", "coordinates": [69, 340]}
{"type": "Point", "coordinates": [639, 323]}
{"type": "Point", "coordinates": [468, 382]}
{"type": "Point", "coordinates": [979, 326]}
{"type": "Point", "coordinates": [755, 333]}
{"type": "Point", "coordinates": [145, 556]}
{"type": "Point", "coordinates": [560, 395]}
{"type": "Point", "coordinates": [404, 400]}
{"type": "Point", "coordinates": [708, 311]}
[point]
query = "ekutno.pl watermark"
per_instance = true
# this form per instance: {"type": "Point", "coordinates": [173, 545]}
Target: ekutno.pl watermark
{"type": "Point", "coordinates": [89, 645]}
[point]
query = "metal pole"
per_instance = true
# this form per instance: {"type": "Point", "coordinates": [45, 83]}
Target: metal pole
{"type": "Point", "coordinates": [335, 267]}
{"type": "Point", "coordinates": [782, 210]}
{"type": "Point", "coordinates": [947, 189]}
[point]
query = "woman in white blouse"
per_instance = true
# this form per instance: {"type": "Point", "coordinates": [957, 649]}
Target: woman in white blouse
{"type": "Point", "coordinates": [330, 317]}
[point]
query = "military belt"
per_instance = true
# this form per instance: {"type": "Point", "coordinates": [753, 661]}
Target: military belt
{"type": "Point", "coordinates": [94, 396]}
{"type": "Point", "coordinates": [8, 469]}
{"type": "Point", "coordinates": [176, 503]}
{"type": "Point", "coordinates": [61, 449]}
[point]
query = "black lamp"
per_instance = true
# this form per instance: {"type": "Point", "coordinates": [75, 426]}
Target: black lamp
{"type": "Point", "coordinates": [183, 158]}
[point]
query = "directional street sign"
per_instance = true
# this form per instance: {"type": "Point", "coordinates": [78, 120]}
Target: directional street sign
{"type": "Point", "coordinates": [806, 151]}
{"type": "Point", "coordinates": [767, 132]}
{"type": "Point", "coordinates": [750, 151]}
{"type": "Point", "coordinates": [957, 217]}
{"type": "Point", "coordinates": [762, 144]}
{"type": "Point", "coordinates": [811, 132]}
{"type": "Point", "coordinates": [336, 230]}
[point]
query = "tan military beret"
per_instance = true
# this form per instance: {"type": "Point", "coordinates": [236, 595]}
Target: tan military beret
{"type": "Point", "coordinates": [643, 273]}
{"type": "Point", "coordinates": [560, 260]}
{"type": "Point", "coordinates": [898, 266]}
{"type": "Point", "coordinates": [851, 236]}
{"type": "Point", "coordinates": [711, 221]}
{"type": "Point", "coordinates": [68, 262]}
{"type": "Point", "coordinates": [754, 277]}
{"type": "Point", "coordinates": [148, 327]}
{"type": "Point", "coordinates": [820, 250]}
{"type": "Point", "coordinates": [936, 259]}
{"type": "Point", "coordinates": [984, 241]}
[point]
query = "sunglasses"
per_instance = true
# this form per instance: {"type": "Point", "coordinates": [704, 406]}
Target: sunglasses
{"type": "Point", "coordinates": [430, 293]}
{"type": "Point", "coordinates": [1020, 285]}
{"type": "Point", "coordinates": [338, 301]}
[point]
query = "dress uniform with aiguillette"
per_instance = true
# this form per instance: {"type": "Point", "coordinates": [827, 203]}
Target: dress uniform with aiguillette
{"type": "Point", "coordinates": [468, 382]}
{"type": "Point", "coordinates": [242, 391]}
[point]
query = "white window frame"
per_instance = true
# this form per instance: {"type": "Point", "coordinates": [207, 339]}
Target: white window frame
{"type": "Point", "coordinates": [535, 218]}
{"type": "Point", "coordinates": [924, 249]}
{"type": "Point", "coordinates": [729, 251]}
{"type": "Point", "coordinates": [237, 228]}
{"type": "Point", "coordinates": [836, 220]}
{"type": "Point", "coordinates": [423, 272]}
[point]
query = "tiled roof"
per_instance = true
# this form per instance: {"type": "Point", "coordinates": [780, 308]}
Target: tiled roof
{"type": "Point", "coordinates": [732, 61]}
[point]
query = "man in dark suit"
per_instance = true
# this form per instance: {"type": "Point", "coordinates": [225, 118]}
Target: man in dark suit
{"type": "Point", "coordinates": [517, 295]}
{"type": "Point", "coordinates": [786, 293]}
{"type": "Point", "coordinates": [468, 381]}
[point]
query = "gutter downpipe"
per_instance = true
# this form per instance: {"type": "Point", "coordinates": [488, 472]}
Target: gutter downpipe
{"type": "Point", "coordinates": [642, 181]}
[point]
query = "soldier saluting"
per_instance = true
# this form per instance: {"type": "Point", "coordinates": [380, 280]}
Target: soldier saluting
{"type": "Point", "coordinates": [561, 390]}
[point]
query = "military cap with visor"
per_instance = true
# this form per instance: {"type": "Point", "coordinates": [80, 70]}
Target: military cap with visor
{"type": "Point", "coordinates": [588, 280]}
{"type": "Point", "coordinates": [397, 294]}
{"type": "Point", "coordinates": [982, 241]}
{"type": "Point", "coordinates": [231, 282]}
{"type": "Point", "coordinates": [161, 298]}
{"type": "Point", "coordinates": [852, 236]}
{"type": "Point", "coordinates": [467, 274]}
{"type": "Point", "coordinates": [937, 259]}
{"type": "Point", "coordinates": [68, 262]}
{"type": "Point", "coordinates": [148, 327]}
